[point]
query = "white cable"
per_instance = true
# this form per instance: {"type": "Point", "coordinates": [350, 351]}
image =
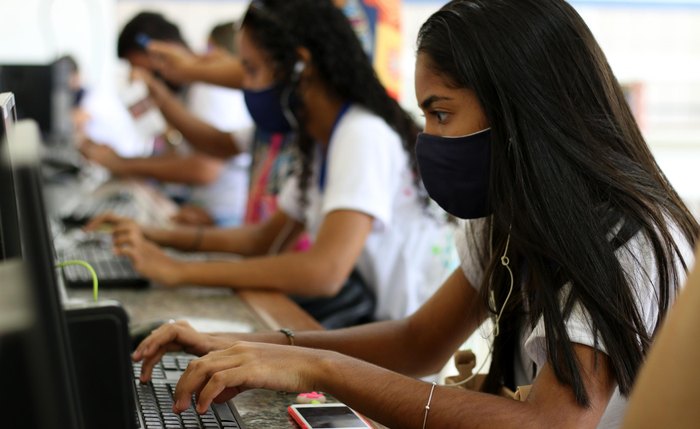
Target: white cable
{"type": "Point", "coordinates": [505, 262]}
{"type": "Point", "coordinates": [281, 237]}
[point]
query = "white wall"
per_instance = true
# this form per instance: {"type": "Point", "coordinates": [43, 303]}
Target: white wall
{"type": "Point", "coordinates": [39, 31]}
{"type": "Point", "coordinates": [661, 49]}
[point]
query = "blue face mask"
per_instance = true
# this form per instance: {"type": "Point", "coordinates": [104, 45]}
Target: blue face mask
{"type": "Point", "coordinates": [267, 109]}
{"type": "Point", "coordinates": [455, 172]}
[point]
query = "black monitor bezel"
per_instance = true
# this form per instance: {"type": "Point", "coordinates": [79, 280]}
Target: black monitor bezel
{"type": "Point", "coordinates": [10, 244]}
{"type": "Point", "coordinates": [45, 344]}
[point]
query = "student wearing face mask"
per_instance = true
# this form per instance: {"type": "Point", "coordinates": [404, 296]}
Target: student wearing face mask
{"type": "Point", "coordinates": [260, 157]}
{"type": "Point", "coordinates": [573, 242]}
{"type": "Point", "coordinates": [216, 187]}
{"type": "Point", "coordinates": [356, 190]}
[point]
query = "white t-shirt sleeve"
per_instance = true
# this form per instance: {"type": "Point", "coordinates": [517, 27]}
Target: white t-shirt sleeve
{"type": "Point", "coordinates": [365, 161]}
{"type": "Point", "coordinates": [578, 327]}
{"type": "Point", "coordinates": [469, 238]}
{"type": "Point", "coordinates": [639, 265]}
{"type": "Point", "coordinates": [243, 138]}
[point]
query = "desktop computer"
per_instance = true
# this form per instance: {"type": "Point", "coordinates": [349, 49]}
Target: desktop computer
{"type": "Point", "coordinates": [38, 377]}
{"type": "Point", "coordinates": [42, 93]}
{"type": "Point", "coordinates": [72, 369]}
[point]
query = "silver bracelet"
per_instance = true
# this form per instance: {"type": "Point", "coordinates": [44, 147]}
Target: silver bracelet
{"type": "Point", "coordinates": [290, 335]}
{"type": "Point", "coordinates": [427, 406]}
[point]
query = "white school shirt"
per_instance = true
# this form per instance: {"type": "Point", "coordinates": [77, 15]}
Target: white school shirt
{"type": "Point", "coordinates": [225, 199]}
{"type": "Point", "coordinates": [408, 253]}
{"type": "Point", "coordinates": [637, 260]}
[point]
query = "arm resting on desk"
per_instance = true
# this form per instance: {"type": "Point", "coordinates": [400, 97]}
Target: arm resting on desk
{"type": "Point", "coordinates": [386, 396]}
{"type": "Point", "coordinates": [247, 240]}
{"type": "Point", "coordinates": [319, 271]}
{"type": "Point", "coordinates": [394, 399]}
{"type": "Point", "coordinates": [195, 169]}
{"type": "Point", "coordinates": [417, 345]}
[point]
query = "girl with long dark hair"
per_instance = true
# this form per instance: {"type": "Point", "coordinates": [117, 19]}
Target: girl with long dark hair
{"type": "Point", "coordinates": [574, 242]}
{"type": "Point", "coordinates": [357, 191]}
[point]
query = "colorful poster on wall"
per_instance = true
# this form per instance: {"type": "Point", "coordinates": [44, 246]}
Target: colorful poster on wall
{"type": "Point", "coordinates": [378, 26]}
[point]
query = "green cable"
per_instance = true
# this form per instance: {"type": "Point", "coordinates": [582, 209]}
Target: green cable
{"type": "Point", "coordinates": [87, 267]}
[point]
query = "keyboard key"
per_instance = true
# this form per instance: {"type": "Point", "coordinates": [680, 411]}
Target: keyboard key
{"type": "Point", "coordinates": [223, 412]}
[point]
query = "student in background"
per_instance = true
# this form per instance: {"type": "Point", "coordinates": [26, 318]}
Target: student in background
{"type": "Point", "coordinates": [269, 149]}
{"type": "Point", "coordinates": [356, 191]}
{"type": "Point", "coordinates": [79, 116]}
{"type": "Point", "coordinates": [222, 39]}
{"type": "Point", "coordinates": [219, 192]}
{"type": "Point", "coordinates": [376, 24]}
{"type": "Point", "coordinates": [574, 242]}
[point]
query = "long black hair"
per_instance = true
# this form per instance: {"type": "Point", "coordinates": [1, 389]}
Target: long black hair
{"type": "Point", "coordinates": [280, 27]}
{"type": "Point", "coordinates": [572, 181]}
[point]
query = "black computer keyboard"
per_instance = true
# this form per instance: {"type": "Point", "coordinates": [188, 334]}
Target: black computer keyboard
{"type": "Point", "coordinates": [119, 203]}
{"type": "Point", "coordinates": [62, 157]}
{"type": "Point", "coordinates": [113, 272]}
{"type": "Point", "coordinates": [155, 400]}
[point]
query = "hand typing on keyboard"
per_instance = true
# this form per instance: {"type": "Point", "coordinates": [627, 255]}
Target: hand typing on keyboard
{"type": "Point", "coordinates": [131, 241]}
{"type": "Point", "coordinates": [230, 365]}
{"type": "Point", "coordinates": [147, 258]}
{"type": "Point", "coordinates": [106, 221]}
{"type": "Point", "coordinates": [155, 401]}
{"type": "Point", "coordinates": [221, 375]}
{"type": "Point", "coordinates": [176, 336]}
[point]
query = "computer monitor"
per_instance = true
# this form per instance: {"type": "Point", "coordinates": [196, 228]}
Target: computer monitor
{"type": "Point", "coordinates": [9, 231]}
{"type": "Point", "coordinates": [39, 385]}
{"type": "Point", "coordinates": [42, 92]}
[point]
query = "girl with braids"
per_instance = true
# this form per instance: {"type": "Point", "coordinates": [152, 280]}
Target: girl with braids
{"type": "Point", "coordinates": [356, 191]}
{"type": "Point", "coordinates": [574, 242]}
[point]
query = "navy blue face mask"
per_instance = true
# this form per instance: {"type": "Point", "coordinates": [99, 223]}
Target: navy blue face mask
{"type": "Point", "coordinates": [267, 110]}
{"type": "Point", "coordinates": [455, 172]}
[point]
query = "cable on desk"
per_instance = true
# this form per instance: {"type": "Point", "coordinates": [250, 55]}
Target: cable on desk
{"type": "Point", "coordinates": [95, 284]}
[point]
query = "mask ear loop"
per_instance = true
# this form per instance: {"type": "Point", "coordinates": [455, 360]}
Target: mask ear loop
{"type": "Point", "coordinates": [505, 262]}
{"type": "Point", "coordinates": [299, 68]}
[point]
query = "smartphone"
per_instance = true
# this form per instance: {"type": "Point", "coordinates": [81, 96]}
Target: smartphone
{"type": "Point", "coordinates": [317, 416]}
{"type": "Point", "coordinates": [143, 40]}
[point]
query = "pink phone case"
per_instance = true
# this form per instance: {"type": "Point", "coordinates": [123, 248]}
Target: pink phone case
{"type": "Point", "coordinates": [297, 418]}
